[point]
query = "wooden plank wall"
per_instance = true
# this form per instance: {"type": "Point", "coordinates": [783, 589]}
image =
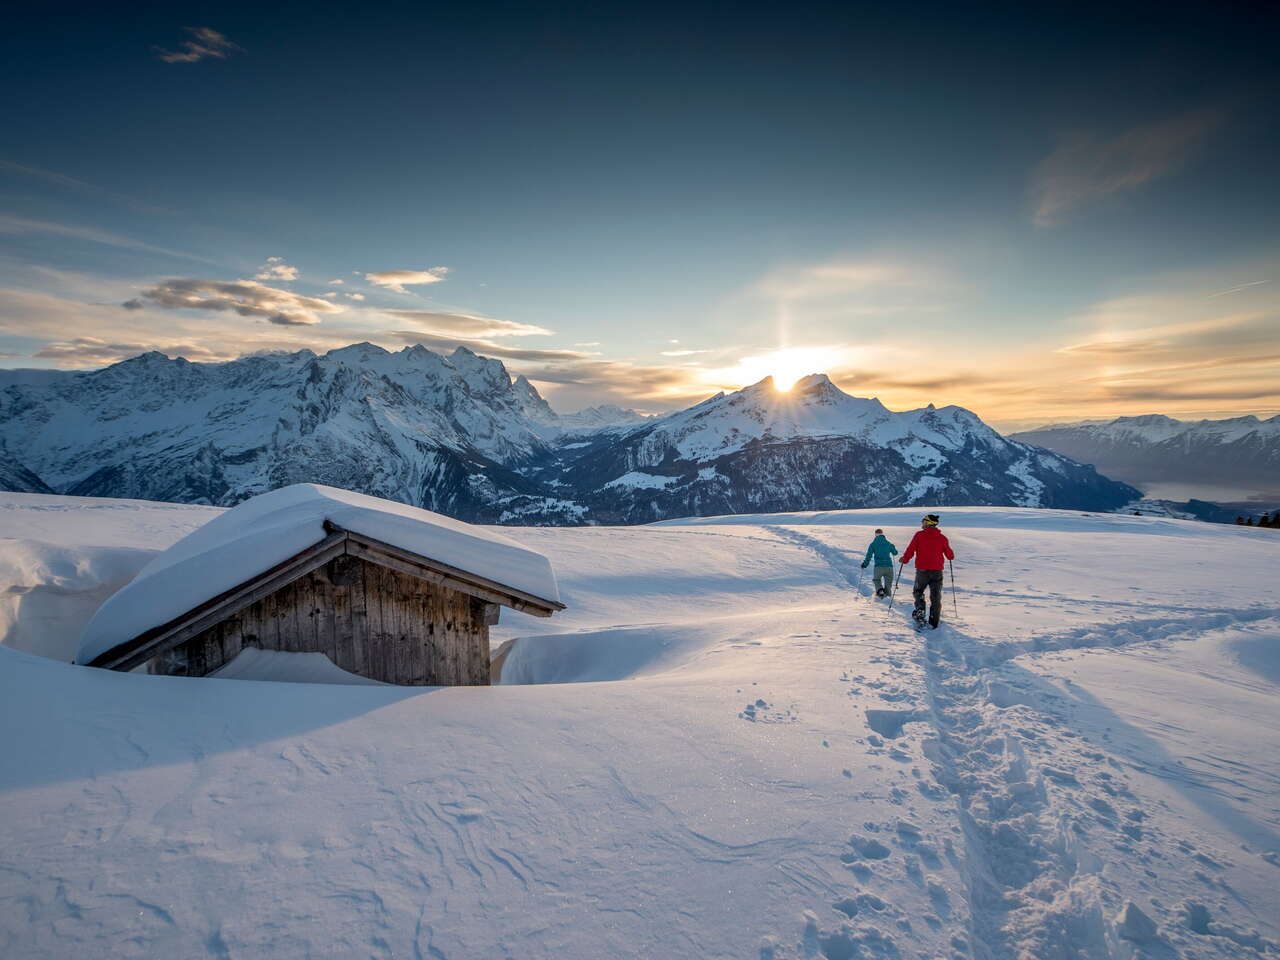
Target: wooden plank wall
{"type": "Point", "coordinates": [368, 620]}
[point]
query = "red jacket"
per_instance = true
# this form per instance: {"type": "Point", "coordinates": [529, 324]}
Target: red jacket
{"type": "Point", "coordinates": [929, 547]}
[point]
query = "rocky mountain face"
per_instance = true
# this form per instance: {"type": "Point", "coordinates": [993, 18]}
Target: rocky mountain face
{"type": "Point", "coordinates": [1242, 453]}
{"type": "Point", "coordinates": [457, 435]}
{"type": "Point", "coordinates": [447, 433]}
{"type": "Point", "coordinates": [14, 476]}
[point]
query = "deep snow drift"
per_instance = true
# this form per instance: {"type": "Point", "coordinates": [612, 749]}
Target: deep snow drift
{"type": "Point", "coordinates": [1084, 763]}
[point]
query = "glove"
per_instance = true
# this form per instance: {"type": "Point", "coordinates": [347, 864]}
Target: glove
{"type": "Point", "coordinates": [864, 564]}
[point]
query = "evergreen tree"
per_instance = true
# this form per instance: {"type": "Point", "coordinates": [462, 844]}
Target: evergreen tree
{"type": "Point", "coordinates": [1248, 522]}
{"type": "Point", "coordinates": [1239, 521]}
{"type": "Point", "coordinates": [1264, 521]}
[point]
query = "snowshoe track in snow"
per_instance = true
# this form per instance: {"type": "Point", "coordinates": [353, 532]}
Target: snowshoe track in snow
{"type": "Point", "coordinates": [1034, 888]}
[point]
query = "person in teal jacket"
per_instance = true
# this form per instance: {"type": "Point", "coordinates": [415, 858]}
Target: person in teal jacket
{"type": "Point", "coordinates": [882, 551]}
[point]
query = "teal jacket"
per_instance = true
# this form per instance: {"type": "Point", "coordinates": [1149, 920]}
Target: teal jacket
{"type": "Point", "coordinates": [882, 550]}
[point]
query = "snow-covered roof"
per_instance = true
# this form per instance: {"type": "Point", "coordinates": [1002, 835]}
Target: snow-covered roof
{"type": "Point", "coordinates": [267, 530]}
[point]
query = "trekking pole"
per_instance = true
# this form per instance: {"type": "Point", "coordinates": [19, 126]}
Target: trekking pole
{"type": "Point", "coordinates": [896, 581]}
{"type": "Point", "coordinates": [954, 606]}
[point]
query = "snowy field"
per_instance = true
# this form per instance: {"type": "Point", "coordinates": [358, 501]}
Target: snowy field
{"type": "Point", "coordinates": [723, 748]}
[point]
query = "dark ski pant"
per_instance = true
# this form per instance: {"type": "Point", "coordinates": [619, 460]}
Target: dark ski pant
{"type": "Point", "coordinates": [883, 578]}
{"type": "Point", "coordinates": [930, 580]}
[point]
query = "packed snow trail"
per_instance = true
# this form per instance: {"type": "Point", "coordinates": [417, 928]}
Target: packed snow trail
{"type": "Point", "coordinates": [779, 769]}
{"type": "Point", "coordinates": [1034, 887]}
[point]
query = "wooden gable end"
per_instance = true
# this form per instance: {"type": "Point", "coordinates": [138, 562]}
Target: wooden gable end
{"type": "Point", "coordinates": [368, 619]}
{"type": "Point", "coordinates": [325, 597]}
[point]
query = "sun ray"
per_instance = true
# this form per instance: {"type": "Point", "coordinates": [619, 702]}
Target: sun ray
{"type": "Point", "coordinates": [786, 366]}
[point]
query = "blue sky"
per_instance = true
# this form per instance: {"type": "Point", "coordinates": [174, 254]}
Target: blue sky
{"type": "Point", "coordinates": [1040, 214]}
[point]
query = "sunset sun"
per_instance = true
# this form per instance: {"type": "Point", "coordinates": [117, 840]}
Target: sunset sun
{"type": "Point", "coordinates": [785, 366]}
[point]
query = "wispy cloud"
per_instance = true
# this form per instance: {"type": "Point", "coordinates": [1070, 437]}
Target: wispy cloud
{"type": "Point", "coordinates": [487, 347]}
{"type": "Point", "coordinates": [397, 280]}
{"type": "Point", "coordinates": [1086, 168]}
{"type": "Point", "coordinates": [61, 180]}
{"type": "Point", "coordinates": [276, 269]}
{"type": "Point", "coordinates": [649, 387]}
{"type": "Point", "coordinates": [87, 334]}
{"type": "Point", "coordinates": [1238, 288]}
{"type": "Point", "coordinates": [247, 298]}
{"type": "Point", "coordinates": [48, 176]}
{"type": "Point", "coordinates": [840, 278]}
{"type": "Point", "coordinates": [825, 297]}
{"type": "Point", "coordinates": [1143, 326]}
{"type": "Point", "coordinates": [15, 225]}
{"type": "Point", "coordinates": [467, 325]}
{"type": "Point", "coordinates": [204, 43]}
{"type": "Point", "coordinates": [91, 351]}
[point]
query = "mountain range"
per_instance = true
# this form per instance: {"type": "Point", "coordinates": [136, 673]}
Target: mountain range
{"type": "Point", "coordinates": [458, 435]}
{"type": "Point", "coordinates": [1209, 458]}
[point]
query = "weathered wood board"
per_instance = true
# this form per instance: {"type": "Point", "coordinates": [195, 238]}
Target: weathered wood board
{"type": "Point", "coordinates": [369, 620]}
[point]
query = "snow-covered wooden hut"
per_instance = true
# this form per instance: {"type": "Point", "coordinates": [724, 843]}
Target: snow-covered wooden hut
{"type": "Point", "coordinates": [386, 591]}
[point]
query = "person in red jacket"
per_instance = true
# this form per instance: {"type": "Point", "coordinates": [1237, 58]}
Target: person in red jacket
{"type": "Point", "coordinates": [929, 547]}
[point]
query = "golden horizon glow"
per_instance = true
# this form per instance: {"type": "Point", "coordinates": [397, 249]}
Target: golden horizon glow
{"type": "Point", "coordinates": [786, 366]}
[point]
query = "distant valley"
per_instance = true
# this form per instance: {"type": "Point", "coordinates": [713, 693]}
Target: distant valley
{"type": "Point", "coordinates": [1235, 462]}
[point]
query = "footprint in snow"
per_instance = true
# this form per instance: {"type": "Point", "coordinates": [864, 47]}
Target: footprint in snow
{"type": "Point", "coordinates": [845, 941]}
{"type": "Point", "coordinates": [762, 712]}
{"type": "Point", "coordinates": [869, 847]}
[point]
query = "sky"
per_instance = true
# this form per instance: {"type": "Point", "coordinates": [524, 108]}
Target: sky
{"type": "Point", "coordinates": [1040, 212]}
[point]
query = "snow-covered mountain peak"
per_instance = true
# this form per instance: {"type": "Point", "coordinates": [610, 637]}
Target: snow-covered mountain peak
{"type": "Point", "coordinates": [487, 373]}
{"type": "Point", "coordinates": [152, 357]}
{"type": "Point", "coordinates": [813, 408]}
{"type": "Point", "coordinates": [602, 416]}
{"type": "Point", "coordinates": [1247, 421]}
{"type": "Point", "coordinates": [760, 386]}
{"type": "Point", "coordinates": [531, 402]}
{"type": "Point", "coordinates": [1158, 428]}
{"type": "Point", "coordinates": [813, 380]}
{"type": "Point", "coordinates": [817, 388]}
{"type": "Point", "coordinates": [759, 447]}
{"type": "Point", "coordinates": [358, 353]}
{"type": "Point", "coordinates": [1147, 420]}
